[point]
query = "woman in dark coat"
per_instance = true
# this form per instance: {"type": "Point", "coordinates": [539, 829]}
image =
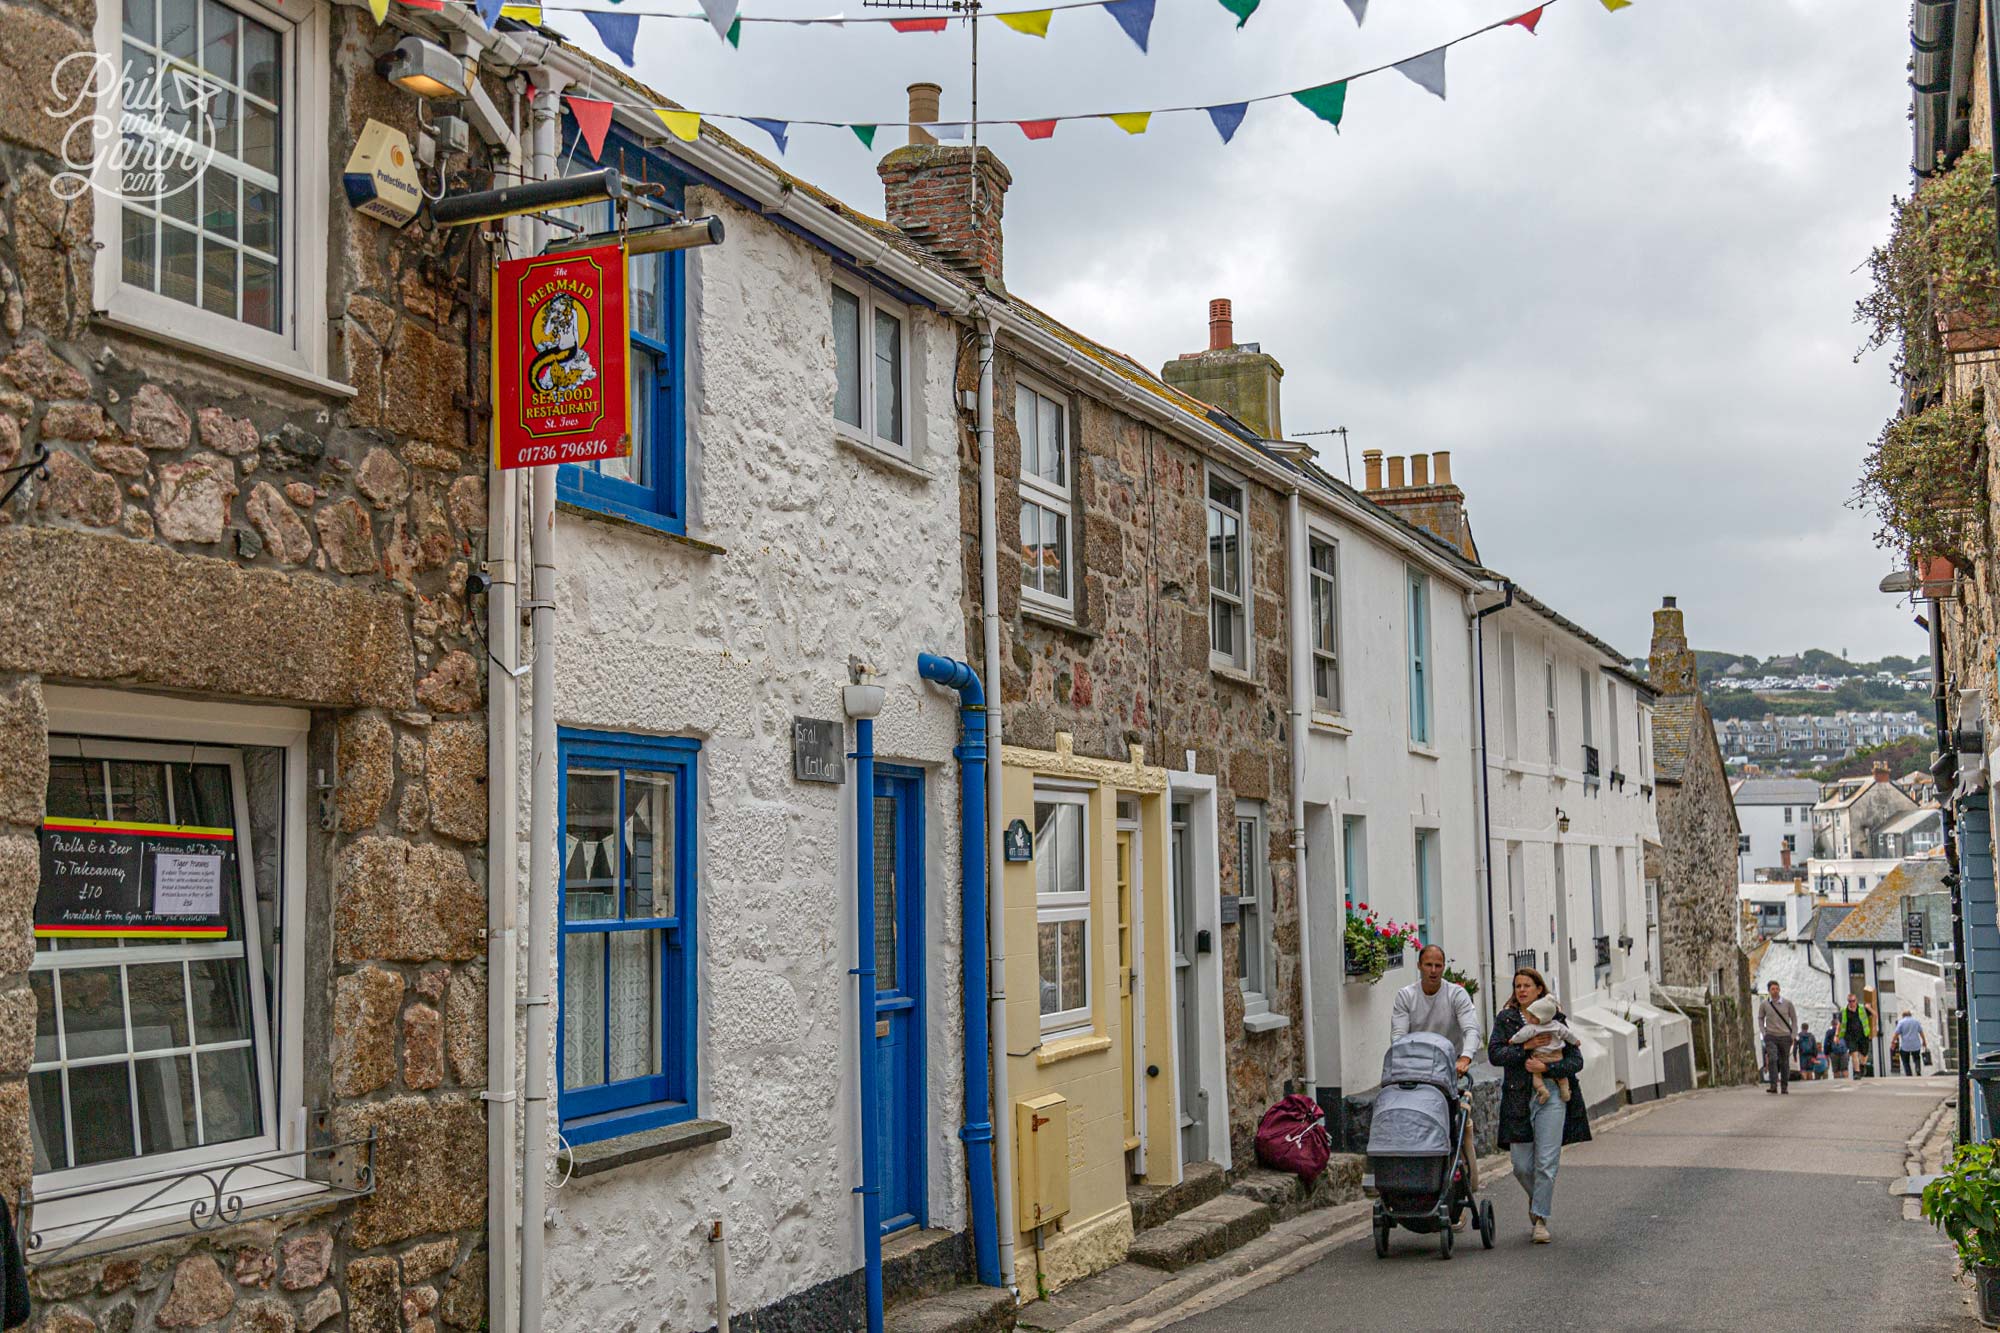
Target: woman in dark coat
{"type": "Point", "coordinates": [1535, 1132]}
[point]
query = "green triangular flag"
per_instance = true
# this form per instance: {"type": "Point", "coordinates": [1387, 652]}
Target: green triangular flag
{"type": "Point", "coordinates": [1327, 101]}
{"type": "Point", "coordinates": [735, 33]}
{"type": "Point", "coordinates": [1242, 9]}
{"type": "Point", "coordinates": [865, 133]}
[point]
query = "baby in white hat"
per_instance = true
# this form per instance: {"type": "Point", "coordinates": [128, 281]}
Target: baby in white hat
{"type": "Point", "coordinates": [1541, 1017]}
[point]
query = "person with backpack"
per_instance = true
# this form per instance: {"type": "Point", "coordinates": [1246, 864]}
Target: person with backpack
{"type": "Point", "coordinates": [1778, 1021]}
{"type": "Point", "coordinates": [1810, 1062]}
{"type": "Point", "coordinates": [1857, 1028]}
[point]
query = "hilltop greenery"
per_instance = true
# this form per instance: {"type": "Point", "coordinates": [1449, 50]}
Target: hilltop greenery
{"type": "Point", "coordinates": [1911, 752]}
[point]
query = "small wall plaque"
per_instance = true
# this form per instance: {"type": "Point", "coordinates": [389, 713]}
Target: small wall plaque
{"type": "Point", "coordinates": [816, 750]}
{"type": "Point", "coordinates": [1232, 911]}
{"type": "Point", "coordinates": [1017, 844]}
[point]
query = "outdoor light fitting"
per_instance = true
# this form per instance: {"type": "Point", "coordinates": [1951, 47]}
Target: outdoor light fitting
{"type": "Point", "coordinates": [461, 210]}
{"type": "Point", "coordinates": [1899, 581]}
{"type": "Point", "coordinates": [1562, 820]}
{"type": "Point", "coordinates": [424, 68]}
{"type": "Point", "coordinates": [684, 235]}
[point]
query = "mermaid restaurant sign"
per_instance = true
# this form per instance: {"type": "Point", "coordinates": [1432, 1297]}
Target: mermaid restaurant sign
{"type": "Point", "coordinates": [561, 392]}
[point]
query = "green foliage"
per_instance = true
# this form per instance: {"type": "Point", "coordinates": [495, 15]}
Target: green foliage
{"type": "Point", "coordinates": [1938, 261]}
{"type": "Point", "coordinates": [1367, 955]}
{"type": "Point", "coordinates": [1470, 983]}
{"type": "Point", "coordinates": [1911, 752]}
{"type": "Point", "coordinates": [1964, 1203]}
{"type": "Point", "coordinates": [1923, 481]}
{"type": "Point", "coordinates": [1853, 694]}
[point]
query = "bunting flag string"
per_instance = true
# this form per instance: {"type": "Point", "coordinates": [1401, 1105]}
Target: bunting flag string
{"type": "Point", "coordinates": [1327, 101]}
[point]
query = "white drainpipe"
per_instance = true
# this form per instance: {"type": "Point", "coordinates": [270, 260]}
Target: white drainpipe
{"type": "Point", "coordinates": [1302, 695]}
{"type": "Point", "coordinates": [996, 866]}
{"type": "Point", "coordinates": [545, 114]}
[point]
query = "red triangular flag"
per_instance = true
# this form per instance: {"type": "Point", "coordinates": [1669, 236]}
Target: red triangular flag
{"type": "Point", "coordinates": [918, 25]}
{"type": "Point", "coordinates": [425, 4]}
{"type": "Point", "coordinates": [594, 119]}
{"type": "Point", "coordinates": [1037, 129]}
{"type": "Point", "coordinates": [1527, 20]}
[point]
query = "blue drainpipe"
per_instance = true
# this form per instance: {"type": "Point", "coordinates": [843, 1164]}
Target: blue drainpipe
{"type": "Point", "coordinates": [870, 1188]}
{"type": "Point", "coordinates": [978, 1129]}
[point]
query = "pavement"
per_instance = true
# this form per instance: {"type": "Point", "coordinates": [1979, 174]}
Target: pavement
{"type": "Point", "coordinates": [1730, 1209]}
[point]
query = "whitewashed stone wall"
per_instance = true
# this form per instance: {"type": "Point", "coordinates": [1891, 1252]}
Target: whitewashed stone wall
{"type": "Point", "coordinates": [827, 553]}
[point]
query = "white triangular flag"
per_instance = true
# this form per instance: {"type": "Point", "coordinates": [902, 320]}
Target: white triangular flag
{"type": "Point", "coordinates": [1426, 71]}
{"type": "Point", "coordinates": [721, 13]}
{"type": "Point", "coordinates": [947, 131]}
{"type": "Point", "coordinates": [1360, 8]}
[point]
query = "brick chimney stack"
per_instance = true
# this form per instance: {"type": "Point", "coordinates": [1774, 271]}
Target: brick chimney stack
{"type": "Point", "coordinates": [1237, 377]}
{"type": "Point", "coordinates": [1881, 773]}
{"type": "Point", "coordinates": [1671, 663]}
{"type": "Point", "coordinates": [928, 193]}
{"type": "Point", "coordinates": [1429, 499]}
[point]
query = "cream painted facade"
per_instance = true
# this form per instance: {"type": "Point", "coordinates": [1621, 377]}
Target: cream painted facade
{"type": "Point", "coordinates": [807, 548]}
{"type": "Point", "coordinates": [1122, 1122]}
{"type": "Point", "coordinates": [1557, 889]}
{"type": "Point", "coordinates": [1371, 790]}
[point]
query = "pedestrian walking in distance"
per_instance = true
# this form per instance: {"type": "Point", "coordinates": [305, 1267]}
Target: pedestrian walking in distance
{"type": "Point", "coordinates": [1910, 1043]}
{"type": "Point", "coordinates": [1857, 1028]}
{"type": "Point", "coordinates": [1779, 1023]}
{"type": "Point", "coordinates": [1535, 1132]}
{"type": "Point", "coordinates": [1432, 1004]}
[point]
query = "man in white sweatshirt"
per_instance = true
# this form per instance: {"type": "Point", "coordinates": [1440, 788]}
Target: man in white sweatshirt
{"type": "Point", "coordinates": [1432, 1004]}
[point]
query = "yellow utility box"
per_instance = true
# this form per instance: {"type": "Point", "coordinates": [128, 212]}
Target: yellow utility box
{"type": "Point", "coordinates": [1041, 1153]}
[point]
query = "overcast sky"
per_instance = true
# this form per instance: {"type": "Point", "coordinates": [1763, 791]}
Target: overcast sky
{"type": "Point", "coordinates": [1613, 273]}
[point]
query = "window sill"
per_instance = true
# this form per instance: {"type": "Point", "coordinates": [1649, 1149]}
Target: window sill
{"type": "Point", "coordinates": [645, 1145]}
{"type": "Point", "coordinates": [1056, 620]}
{"type": "Point", "coordinates": [1266, 1022]}
{"type": "Point", "coordinates": [1331, 722]}
{"type": "Point", "coordinates": [617, 520]}
{"type": "Point", "coordinates": [1069, 1048]}
{"type": "Point", "coordinates": [878, 457]}
{"type": "Point", "coordinates": [68, 1242]}
{"type": "Point", "coordinates": [304, 379]}
{"type": "Point", "coordinates": [1422, 751]}
{"type": "Point", "coordinates": [1235, 675]}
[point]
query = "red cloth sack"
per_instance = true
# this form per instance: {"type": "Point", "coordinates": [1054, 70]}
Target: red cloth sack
{"type": "Point", "coordinates": [1292, 1137]}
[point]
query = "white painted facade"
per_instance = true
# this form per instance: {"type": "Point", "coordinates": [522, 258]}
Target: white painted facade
{"type": "Point", "coordinates": [1847, 879]}
{"type": "Point", "coordinates": [1557, 890]}
{"type": "Point", "coordinates": [1370, 789]}
{"type": "Point", "coordinates": [827, 550]}
{"type": "Point", "coordinates": [1772, 818]}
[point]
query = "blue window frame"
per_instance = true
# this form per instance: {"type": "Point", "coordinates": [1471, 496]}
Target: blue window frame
{"type": "Point", "coordinates": [625, 1031]}
{"type": "Point", "coordinates": [650, 486]}
{"type": "Point", "coordinates": [1420, 658]}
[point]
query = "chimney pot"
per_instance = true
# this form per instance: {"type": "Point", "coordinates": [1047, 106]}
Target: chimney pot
{"type": "Point", "coordinates": [1669, 602]}
{"type": "Point", "coordinates": [923, 108]}
{"type": "Point", "coordinates": [1420, 469]}
{"type": "Point", "coordinates": [1221, 327]}
{"type": "Point", "coordinates": [1371, 469]}
{"type": "Point", "coordinates": [1441, 467]}
{"type": "Point", "coordinates": [1396, 473]}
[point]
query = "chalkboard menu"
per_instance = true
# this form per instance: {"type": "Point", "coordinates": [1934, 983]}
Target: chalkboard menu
{"type": "Point", "coordinates": [105, 879]}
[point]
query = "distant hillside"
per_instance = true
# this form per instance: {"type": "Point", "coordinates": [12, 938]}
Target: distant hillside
{"type": "Point", "coordinates": [1911, 752]}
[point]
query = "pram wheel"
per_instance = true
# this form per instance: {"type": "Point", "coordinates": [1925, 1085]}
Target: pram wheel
{"type": "Point", "coordinates": [1444, 1241]}
{"type": "Point", "coordinates": [1486, 1227]}
{"type": "Point", "coordinates": [1381, 1240]}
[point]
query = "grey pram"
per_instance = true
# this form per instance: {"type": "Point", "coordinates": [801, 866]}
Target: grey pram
{"type": "Point", "coordinates": [1414, 1142]}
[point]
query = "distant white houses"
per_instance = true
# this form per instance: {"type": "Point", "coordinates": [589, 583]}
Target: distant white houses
{"type": "Point", "coordinates": [1775, 815]}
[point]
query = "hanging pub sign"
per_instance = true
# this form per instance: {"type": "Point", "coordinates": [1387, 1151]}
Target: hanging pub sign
{"type": "Point", "coordinates": [108, 879]}
{"type": "Point", "coordinates": [561, 392]}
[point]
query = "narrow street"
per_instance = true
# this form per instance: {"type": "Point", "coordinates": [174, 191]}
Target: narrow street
{"type": "Point", "coordinates": [1732, 1210]}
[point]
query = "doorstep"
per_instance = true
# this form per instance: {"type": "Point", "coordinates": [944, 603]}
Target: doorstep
{"type": "Point", "coordinates": [966, 1309]}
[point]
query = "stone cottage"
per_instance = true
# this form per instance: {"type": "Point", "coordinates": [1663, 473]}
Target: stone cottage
{"type": "Point", "coordinates": [243, 736]}
{"type": "Point", "coordinates": [1701, 959]}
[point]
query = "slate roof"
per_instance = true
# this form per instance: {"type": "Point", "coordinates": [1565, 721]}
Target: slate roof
{"type": "Point", "coordinates": [1676, 718]}
{"type": "Point", "coordinates": [1777, 791]}
{"type": "Point", "coordinates": [1912, 821]}
{"type": "Point", "coordinates": [1878, 918]}
{"type": "Point", "coordinates": [1826, 918]}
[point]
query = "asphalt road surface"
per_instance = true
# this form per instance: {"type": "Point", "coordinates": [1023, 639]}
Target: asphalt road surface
{"type": "Point", "coordinates": [1726, 1210]}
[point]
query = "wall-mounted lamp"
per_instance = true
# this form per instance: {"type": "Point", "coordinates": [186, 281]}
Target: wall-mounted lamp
{"type": "Point", "coordinates": [1899, 581]}
{"type": "Point", "coordinates": [424, 68]}
{"type": "Point", "coordinates": [1562, 821]}
{"type": "Point", "coordinates": [684, 235]}
{"type": "Point", "coordinates": [461, 210]}
{"type": "Point", "coordinates": [860, 699]}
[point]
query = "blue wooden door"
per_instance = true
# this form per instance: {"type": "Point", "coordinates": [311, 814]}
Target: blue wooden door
{"type": "Point", "coordinates": [899, 994]}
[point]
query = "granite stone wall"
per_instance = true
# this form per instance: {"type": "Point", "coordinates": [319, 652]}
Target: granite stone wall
{"type": "Point", "coordinates": [206, 529]}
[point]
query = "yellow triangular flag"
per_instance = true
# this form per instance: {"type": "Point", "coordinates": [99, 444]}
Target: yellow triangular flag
{"type": "Point", "coordinates": [380, 9]}
{"type": "Point", "coordinates": [1615, 5]}
{"type": "Point", "coordinates": [525, 13]}
{"type": "Point", "coordinates": [1034, 22]}
{"type": "Point", "coordinates": [684, 124]}
{"type": "Point", "coordinates": [1132, 122]}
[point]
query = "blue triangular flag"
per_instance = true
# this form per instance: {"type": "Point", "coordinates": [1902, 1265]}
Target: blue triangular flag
{"type": "Point", "coordinates": [489, 11]}
{"type": "Point", "coordinates": [1135, 17]}
{"type": "Point", "coordinates": [1360, 8]}
{"type": "Point", "coordinates": [1227, 117]}
{"type": "Point", "coordinates": [780, 130]}
{"type": "Point", "coordinates": [617, 32]}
